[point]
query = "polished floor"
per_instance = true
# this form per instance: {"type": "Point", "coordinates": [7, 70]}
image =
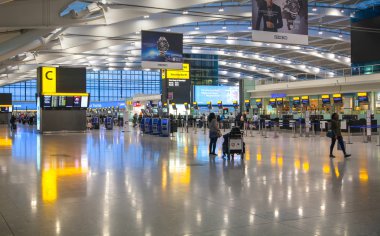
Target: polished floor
{"type": "Point", "coordinates": [114, 183]}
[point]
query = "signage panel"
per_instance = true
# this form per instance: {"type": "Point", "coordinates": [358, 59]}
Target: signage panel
{"type": "Point", "coordinates": [161, 50]}
{"type": "Point", "coordinates": [49, 79]}
{"type": "Point", "coordinates": [280, 21]}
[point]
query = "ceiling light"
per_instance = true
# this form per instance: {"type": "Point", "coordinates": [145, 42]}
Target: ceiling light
{"type": "Point", "coordinates": [340, 36]}
{"type": "Point", "coordinates": [342, 11]}
{"type": "Point", "coordinates": [137, 32]}
{"type": "Point", "coordinates": [168, 30]}
{"type": "Point", "coordinates": [104, 1]}
{"type": "Point", "coordinates": [320, 32]}
{"type": "Point", "coordinates": [185, 12]}
{"type": "Point", "coordinates": [221, 9]}
{"type": "Point", "coordinates": [197, 28]}
{"type": "Point", "coordinates": [146, 16]}
{"type": "Point", "coordinates": [249, 27]}
{"type": "Point", "coordinates": [314, 9]}
{"type": "Point", "coordinates": [224, 27]}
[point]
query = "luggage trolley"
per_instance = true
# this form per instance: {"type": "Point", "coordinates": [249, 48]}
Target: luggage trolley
{"type": "Point", "coordinates": [234, 143]}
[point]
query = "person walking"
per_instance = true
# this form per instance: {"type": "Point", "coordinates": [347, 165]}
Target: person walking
{"type": "Point", "coordinates": [335, 128]}
{"type": "Point", "coordinates": [213, 133]}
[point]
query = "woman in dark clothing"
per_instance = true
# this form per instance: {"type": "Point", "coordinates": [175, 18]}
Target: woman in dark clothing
{"type": "Point", "coordinates": [335, 127]}
{"type": "Point", "coordinates": [213, 133]}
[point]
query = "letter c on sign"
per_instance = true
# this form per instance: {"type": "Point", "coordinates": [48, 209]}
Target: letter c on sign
{"type": "Point", "coordinates": [47, 75]}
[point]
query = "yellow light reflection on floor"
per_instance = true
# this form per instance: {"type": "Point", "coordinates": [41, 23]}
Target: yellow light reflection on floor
{"type": "Point", "coordinates": [297, 164]}
{"type": "Point", "coordinates": [273, 160]}
{"type": "Point", "coordinates": [247, 155]}
{"type": "Point", "coordinates": [306, 166]}
{"type": "Point", "coordinates": [280, 161]}
{"type": "Point", "coordinates": [363, 175]}
{"type": "Point", "coordinates": [259, 157]}
{"type": "Point", "coordinates": [326, 168]}
{"type": "Point", "coordinates": [50, 175]}
{"type": "Point", "coordinates": [49, 185]}
{"type": "Point", "coordinates": [5, 143]}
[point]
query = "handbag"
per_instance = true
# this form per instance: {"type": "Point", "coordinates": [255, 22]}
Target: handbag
{"type": "Point", "coordinates": [330, 134]}
{"type": "Point", "coordinates": [219, 133]}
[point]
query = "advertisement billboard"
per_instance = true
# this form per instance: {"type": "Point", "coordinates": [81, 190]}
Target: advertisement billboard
{"type": "Point", "coordinates": [161, 50]}
{"type": "Point", "coordinates": [280, 21]}
{"type": "Point", "coordinates": [226, 94]}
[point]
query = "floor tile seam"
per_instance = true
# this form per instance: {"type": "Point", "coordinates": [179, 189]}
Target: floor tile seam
{"type": "Point", "coordinates": [7, 224]}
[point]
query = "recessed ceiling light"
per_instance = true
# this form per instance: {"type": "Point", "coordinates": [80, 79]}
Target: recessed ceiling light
{"type": "Point", "coordinates": [197, 28]}
{"type": "Point", "coordinates": [168, 30]}
{"type": "Point", "coordinates": [320, 32]}
{"type": "Point", "coordinates": [314, 9]}
{"type": "Point", "coordinates": [146, 16]}
{"type": "Point", "coordinates": [224, 27]}
{"type": "Point", "coordinates": [185, 12]}
{"type": "Point", "coordinates": [221, 9]}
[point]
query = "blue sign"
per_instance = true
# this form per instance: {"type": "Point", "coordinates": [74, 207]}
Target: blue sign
{"type": "Point", "coordinates": [119, 104]}
{"type": "Point", "coordinates": [278, 95]}
{"type": "Point", "coordinates": [21, 106]}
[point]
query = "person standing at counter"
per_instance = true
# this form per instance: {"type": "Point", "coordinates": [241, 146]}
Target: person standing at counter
{"type": "Point", "coordinates": [335, 128]}
{"type": "Point", "coordinates": [213, 133]}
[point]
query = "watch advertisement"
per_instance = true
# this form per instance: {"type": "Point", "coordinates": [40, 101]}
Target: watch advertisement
{"type": "Point", "coordinates": [161, 50]}
{"type": "Point", "coordinates": [280, 21]}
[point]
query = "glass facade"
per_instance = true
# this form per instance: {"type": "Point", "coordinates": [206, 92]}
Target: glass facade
{"type": "Point", "coordinates": [116, 85]}
{"type": "Point", "coordinates": [22, 91]}
{"type": "Point", "coordinates": [104, 86]}
{"type": "Point", "coordinates": [203, 69]}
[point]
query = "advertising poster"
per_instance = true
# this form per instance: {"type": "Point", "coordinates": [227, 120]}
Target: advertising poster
{"type": "Point", "coordinates": [226, 94]}
{"type": "Point", "coordinates": [280, 21]}
{"type": "Point", "coordinates": [161, 50]}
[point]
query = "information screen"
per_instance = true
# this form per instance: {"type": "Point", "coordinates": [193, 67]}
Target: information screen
{"type": "Point", "coordinates": [337, 99]}
{"type": "Point", "coordinates": [62, 101]}
{"type": "Point", "coordinates": [77, 101]}
{"type": "Point", "coordinates": [272, 103]}
{"type": "Point", "coordinates": [296, 102]}
{"type": "Point", "coordinates": [213, 94]}
{"type": "Point", "coordinates": [363, 99]}
{"type": "Point", "coordinates": [84, 102]}
{"type": "Point", "coordinates": [69, 101]}
{"type": "Point", "coordinates": [47, 101]}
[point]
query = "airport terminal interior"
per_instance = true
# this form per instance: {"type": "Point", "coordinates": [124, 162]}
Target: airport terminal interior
{"type": "Point", "coordinates": [197, 117]}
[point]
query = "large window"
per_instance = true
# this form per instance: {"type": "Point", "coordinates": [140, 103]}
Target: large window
{"type": "Point", "coordinates": [22, 91]}
{"type": "Point", "coordinates": [104, 86]}
{"type": "Point", "coordinates": [116, 85]}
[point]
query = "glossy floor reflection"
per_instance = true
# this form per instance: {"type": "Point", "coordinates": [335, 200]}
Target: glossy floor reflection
{"type": "Point", "coordinates": [114, 183]}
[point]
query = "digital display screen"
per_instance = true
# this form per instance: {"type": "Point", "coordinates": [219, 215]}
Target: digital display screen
{"type": "Point", "coordinates": [280, 102]}
{"type": "Point", "coordinates": [272, 103]}
{"type": "Point", "coordinates": [227, 94]}
{"type": "Point", "coordinates": [326, 101]}
{"type": "Point", "coordinates": [305, 100]}
{"type": "Point", "coordinates": [363, 99]}
{"type": "Point", "coordinates": [338, 100]}
{"type": "Point", "coordinates": [296, 103]}
{"type": "Point", "coordinates": [47, 101]}
{"type": "Point", "coordinates": [62, 101]}
{"type": "Point", "coordinates": [84, 102]}
{"type": "Point", "coordinates": [77, 101]}
{"type": "Point", "coordinates": [5, 109]}
{"type": "Point", "coordinates": [54, 101]}
{"type": "Point", "coordinates": [69, 101]}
